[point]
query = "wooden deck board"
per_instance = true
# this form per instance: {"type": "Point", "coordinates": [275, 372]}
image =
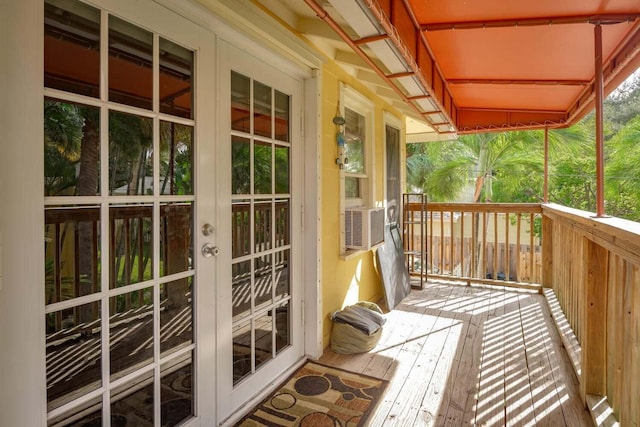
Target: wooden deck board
{"type": "Point", "coordinates": [458, 355]}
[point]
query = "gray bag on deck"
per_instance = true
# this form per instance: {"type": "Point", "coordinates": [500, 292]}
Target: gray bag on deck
{"type": "Point", "coordinates": [357, 328]}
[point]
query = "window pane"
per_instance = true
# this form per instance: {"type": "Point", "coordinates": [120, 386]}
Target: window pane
{"type": "Point", "coordinates": [262, 226]}
{"type": "Point", "coordinates": [72, 47]}
{"type": "Point", "coordinates": [283, 273]}
{"type": "Point", "coordinates": [87, 414]}
{"type": "Point", "coordinates": [282, 116]}
{"type": "Point", "coordinates": [176, 239]}
{"type": "Point", "coordinates": [176, 391]}
{"type": "Point", "coordinates": [262, 168]}
{"type": "Point", "coordinates": [352, 187]}
{"type": "Point", "coordinates": [176, 315]}
{"type": "Point", "coordinates": [130, 64]}
{"type": "Point", "coordinates": [240, 103]}
{"type": "Point", "coordinates": [241, 170]}
{"type": "Point", "coordinates": [176, 159]}
{"type": "Point", "coordinates": [176, 80]}
{"type": "Point", "coordinates": [130, 331]}
{"type": "Point", "coordinates": [263, 280]}
{"type": "Point", "coordinates": [130, 237]}
{"type": "Point", "coordinates": [282, 223]}
{"type": "Point", "coordinates": [73, 345]}
{"type": "Point", "coordinates": [241, 289]}
{"type": "Point", "coordinates": [263, 338]}
{"type": "Point", "coordinates": [282, 169]}
{"type": "Point", "coordinates": [240, 228]}
{"type": "Point", "coordinates": [283, 328]}
{"type": "Point", "coordinates": [261, 109]}
{"type": "Point", "coordinates": [241, 351]}
{"type": "Point", "coordinates": [354, 142]}
{"type": "Point", "coordinates": [72, 247]}
{"type": "Point", "coordinates": [132, 402]}
{"type": "Point", "coordinates": [130, 154]}
{"type": "Point", "coordinates": [71, 149]}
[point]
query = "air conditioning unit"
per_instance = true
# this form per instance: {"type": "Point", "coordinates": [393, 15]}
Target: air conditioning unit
{"type": "Point", "coordinates": [364, 227]}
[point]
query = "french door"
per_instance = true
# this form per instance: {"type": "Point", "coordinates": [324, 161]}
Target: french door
{"type": "Point", "coordinates": [259, 315]}
{"type": "Point", "coordinates": [125, 276]}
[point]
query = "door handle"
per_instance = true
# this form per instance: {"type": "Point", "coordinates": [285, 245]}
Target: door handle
{"type": "Point", "coordinates": [209, 250]}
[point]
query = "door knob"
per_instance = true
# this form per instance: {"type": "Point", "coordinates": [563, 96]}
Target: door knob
{"type": "Point", "coordinates": [209, 250]}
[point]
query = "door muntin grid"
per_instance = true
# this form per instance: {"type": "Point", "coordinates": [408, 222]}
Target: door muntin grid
{"type": "Point", "coordinates": [261, 222]}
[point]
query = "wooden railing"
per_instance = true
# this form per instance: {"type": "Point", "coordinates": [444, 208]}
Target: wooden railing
{"type": "Point", "coordinates": [588, 268]}
{"type": "Point", "coordinates": [489, 243]}
{"type": "Point", "coordinates": [593, 266]}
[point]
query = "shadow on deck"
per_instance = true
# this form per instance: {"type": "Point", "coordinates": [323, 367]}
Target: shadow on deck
{"type": "Point", "coordinates": [459, 355]}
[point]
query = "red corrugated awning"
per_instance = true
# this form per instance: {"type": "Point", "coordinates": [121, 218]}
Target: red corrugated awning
{"type": "Point", "coordinates": [496, 64]}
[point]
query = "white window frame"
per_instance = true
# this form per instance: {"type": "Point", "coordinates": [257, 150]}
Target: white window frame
{"type": "Point", "coordinates": [355, 101]}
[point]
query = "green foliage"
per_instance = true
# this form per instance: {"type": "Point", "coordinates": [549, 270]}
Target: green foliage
{"type": "Point", "coordinates": [508, 166]}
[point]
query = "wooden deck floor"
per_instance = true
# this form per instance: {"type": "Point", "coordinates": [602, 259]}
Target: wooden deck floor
{"type": "Point", "coordinates": [457, 355]}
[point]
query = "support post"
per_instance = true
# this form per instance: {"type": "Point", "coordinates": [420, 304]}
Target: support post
{"type": "Point", "coordinates": [545, 198]}
{"type": "Point", "coordinates": [594, 341]}
{"type": "Point", "coordinates": [599, 92]}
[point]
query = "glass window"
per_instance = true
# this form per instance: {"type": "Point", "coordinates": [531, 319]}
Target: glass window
{"type": "Point", "coordinates": [355, 136]}
{"type": "Point", "coordinates": [72, 47]}
{"type": "Point", "coordinates": [176, 80]}
{"type": "Point", "coordinates": [130, 64]}
{"type": "Point", "coordinates": [176, 159]}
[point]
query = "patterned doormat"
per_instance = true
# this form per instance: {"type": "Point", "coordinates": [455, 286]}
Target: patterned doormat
{"type": "Point", "coordinates": [317, 396]}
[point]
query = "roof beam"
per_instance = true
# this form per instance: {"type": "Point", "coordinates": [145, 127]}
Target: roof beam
{"type": "Point", "coordinates": [530, 22]}
{"type": "Point", "coordinates": [561, 82]}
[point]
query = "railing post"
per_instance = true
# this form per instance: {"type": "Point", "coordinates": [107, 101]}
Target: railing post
{"type": "Point", "coordinates": [547, 251]}
{"type": "Point", "coordinates": [594, 342]}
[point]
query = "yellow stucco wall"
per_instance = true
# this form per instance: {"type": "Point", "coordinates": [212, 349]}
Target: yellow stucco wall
{"type": "Point", "coordinates": [346, 281]}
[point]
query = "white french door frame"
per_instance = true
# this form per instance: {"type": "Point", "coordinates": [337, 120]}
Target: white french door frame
{"type": "Point", "coordinates": [232, 398]}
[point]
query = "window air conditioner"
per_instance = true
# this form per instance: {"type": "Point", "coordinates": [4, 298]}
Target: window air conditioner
{"type": "Point", "coordinates": [364, 227]}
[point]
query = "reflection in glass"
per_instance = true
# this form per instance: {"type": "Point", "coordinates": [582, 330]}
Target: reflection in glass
{"type": "Point", "coordinates": [263, 337]}
{"type": "Point", "coordinates": [240, 106]}
{"type": "Point", "coordinates": [261, 168]}
{"type": "Point", "coordinates": [176, 239]}
{"type": "Point", "coordinates": [241, 351]}
{"type": "Point", "coordinates": [72, 246]}
{"type": "Point", "coordinates": [176, 159]}
{"type": "Point", "coordinates": [241, 170]}
{"type": "Point", "coordinates": [241, 289]}
{"type": "Point", "coordinates": [176, 80]}
{"type": "Point", "coordinates": [130, 64]}
{"type": "Point", "coordinates": [282, 169]}
{"type": "Point", "coordinates": [282, 116]}
{"type": "Point", "coordinates": [283, 317]}
{"type": "Point", "coordinates": [263, 280]}
{"type": "Point", "coordinates": [355, 134]}
{"type": "Point", "coordinates": [283, 274]}
{"type": "Point", "coordinates": [130, 331]}
{"type": "Point", "coordinates": [71, 149]}
{"type": "Point", "coordinates": [261, 109]}
{"type": "Point", "coordinates": [132, 402]}
{"type": "Point", "coordinates": [130, 154]}
{"type": "Point", "coordinates": [87, 414]}
{"type": "Point", "coordinates": [240, 228]}
{"type": "Point", "coordinates": [176, 391]}
{"type": "Point", "coordinates": [130, 237]}
{"type": "Point", "coordinates": [262, 226]}
{"type": "Point", "coordinates": [352, 187]}
{"type": "Point", "coordinates": [176, 315]}
{"type": "Point", "coordinates": [282, 223]}
{"type": "Point", "coordinates": [73, 346]}
{"type": "Point", "coordinates": [72, 47]}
